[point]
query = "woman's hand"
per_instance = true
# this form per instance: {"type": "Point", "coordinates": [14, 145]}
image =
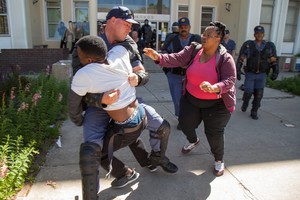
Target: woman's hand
{"type": "Point", "coordinates": [207, 87]}
{"type": "Point", "coordinates": [151, 53]}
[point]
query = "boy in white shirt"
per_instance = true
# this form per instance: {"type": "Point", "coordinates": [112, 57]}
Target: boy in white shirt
{"type": "Point", "coordinates": [99, 75]}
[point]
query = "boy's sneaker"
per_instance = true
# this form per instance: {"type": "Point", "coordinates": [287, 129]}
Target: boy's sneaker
{"type": "Point", "coordinates": [189, 147]}
{"type": "Point", "coordinates": [219, 168]}
{"type": "Point", "coordinates": [152, 168]}
{"type": "Point", "coordinates": [125, 180]}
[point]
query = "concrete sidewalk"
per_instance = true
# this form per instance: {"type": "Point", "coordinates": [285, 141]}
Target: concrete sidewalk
{"type": "Point", "coordinates": [262, 157]}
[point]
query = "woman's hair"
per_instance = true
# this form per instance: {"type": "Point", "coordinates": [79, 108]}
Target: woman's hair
{"type": "Point", "coordinates": [94, 47]}
{"type": "Point", "coordinates": [220, 28]}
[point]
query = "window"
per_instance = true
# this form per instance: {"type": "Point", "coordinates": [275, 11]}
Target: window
{"type": "Point", "coordinates": [291, 21]}
{"type": "Point", "coordinates": [3, 18]}
{"type": "Point", "coordinates": [158, 6]}
{"type": "Point", "coordinates": [53, 9]}
{"type": "Point", "coordinates": [81, 11]}
{"type": "Point", "coordinates": [82, 16]}
{"type": "Point", "coordinates": [137, 6]}
{"type": "Point", "coordinates": [107, 5]}
{"type": "Point", "coordinates": [207, 16]}
{"type": "Point", "coordinates": [183, 11]}
{"type": "Point", "coordinates": [266, 16]}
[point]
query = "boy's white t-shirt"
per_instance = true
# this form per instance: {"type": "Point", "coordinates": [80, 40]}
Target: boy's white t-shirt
{"type": "Point", "coordinates": [99, 78]}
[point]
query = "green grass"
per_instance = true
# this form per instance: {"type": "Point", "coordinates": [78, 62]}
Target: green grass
{"type": "Point", "coordinates": [290, 85]}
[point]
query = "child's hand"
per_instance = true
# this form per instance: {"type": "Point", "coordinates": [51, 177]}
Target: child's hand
{"type": "Point", "coordinates": [133, 79]}
{"type": "Point", "coordinates": [110, 97]}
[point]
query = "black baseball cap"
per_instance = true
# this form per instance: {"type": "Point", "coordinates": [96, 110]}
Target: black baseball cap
{"type": "Point", "coordinates": [121, 12]}
{"type": "Point", "coordinates": [259, 29]}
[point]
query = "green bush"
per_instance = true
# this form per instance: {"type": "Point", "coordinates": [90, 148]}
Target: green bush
{"type": "Point", "coordinates": [30, 114]}
{"type": "Point", "coordinates": [33, 110]}
{"type": "Point", "coordinates": [290, 85]}
{"type": "Point", "coordinates": [15, 160]}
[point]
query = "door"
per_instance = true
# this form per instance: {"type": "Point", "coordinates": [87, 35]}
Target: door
{"type": "Point", "coordinates": [159, 32]}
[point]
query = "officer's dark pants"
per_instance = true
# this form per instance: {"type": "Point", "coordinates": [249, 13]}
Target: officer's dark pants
{"type": "Point", "coordinates": [254, 84]}
{"type": "Point", "coordinates": [215, 117]}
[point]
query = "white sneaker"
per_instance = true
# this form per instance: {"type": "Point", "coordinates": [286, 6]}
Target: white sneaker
{"type": "Point", "coordinates": [189, 147]}
{"type": "Point", "coordinates": [219, 168]}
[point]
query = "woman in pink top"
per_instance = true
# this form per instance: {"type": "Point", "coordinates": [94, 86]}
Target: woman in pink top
{"type": "Point", "coordinates": [209, 94]}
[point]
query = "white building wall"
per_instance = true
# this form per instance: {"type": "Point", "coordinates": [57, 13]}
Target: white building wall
{"type": "Point", "coordinates": [253, 18]}
{"type": "Point", "coordinates": [281, 12]}
{"type": "Point", "coordinates": [192, 15]}
{"type": "Point", "coordinates": [18, 23]}
{"type": "Point", "coordinates": [93, 17]}
{"type": "Point", "coordinates": [24, 34]}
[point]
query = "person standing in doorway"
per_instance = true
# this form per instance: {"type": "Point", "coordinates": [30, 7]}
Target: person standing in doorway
{"type": "Point", "coordinates": [147, 33]}
{"type": "Point", "coordinates": [176, 75]}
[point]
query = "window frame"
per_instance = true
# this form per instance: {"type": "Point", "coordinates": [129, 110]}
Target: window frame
{"type": "Point", "coordinates": [291, 26]}
{"type": "Point", "coordinates": [182, 12]}
{"type": "Point", "coordinates": [78, 7]}
{"type": "Point", "coordinates": [267, 5]}
{"type": "Point", "coordinates": [5, 14]}
{"type": "Point", "coordinates": [213, 17]}
{"type": "Point", "coordinates": [47, 24]}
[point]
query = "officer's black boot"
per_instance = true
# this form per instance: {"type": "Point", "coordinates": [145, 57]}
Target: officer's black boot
{"type": "Point", "coordinates": [90, 154]}
{"type": "Point", "coordinates": [246, 99]}
{"type": "Point", "coordinates": [157, 160]}
{"type": "Point", "coordinates": [254, 114]}
{"type": "Point", "coordinates": [258, 95]}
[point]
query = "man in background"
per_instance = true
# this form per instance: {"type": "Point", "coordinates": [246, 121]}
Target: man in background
{"type": "Point", "coordinates": [147, 33]}
{"type": "Point", "coordinates": [173, 45]}
{"type": "Point", "coordinates": [228, 43]}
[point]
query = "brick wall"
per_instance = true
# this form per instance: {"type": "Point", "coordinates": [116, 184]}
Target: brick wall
{"type": "Point", "coordinates": [30, 60]}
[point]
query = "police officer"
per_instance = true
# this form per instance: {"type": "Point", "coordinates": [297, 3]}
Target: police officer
{"type": "Point", "coordinates": [176, 75]}
{"type": "Point", "coordinates": [228, 43]}
{"type": "Point", "coordinates": [260, 56]}
{"type": "Point", "coordinates": [170, 36]}
{"type": "Point", "coordinates": [95, 120]}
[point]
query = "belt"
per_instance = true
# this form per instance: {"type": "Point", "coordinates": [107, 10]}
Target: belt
{"type": "Point", "coordinates": [254, 70]}
{"type": "Point", "coordinates": [133, 114]}
{"type": "Point", "coordinates": [139, 127]}
{"type": "Point", "coordinates": [134, 129]}
{"type": "Point", "coordinates": [178, 71]}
